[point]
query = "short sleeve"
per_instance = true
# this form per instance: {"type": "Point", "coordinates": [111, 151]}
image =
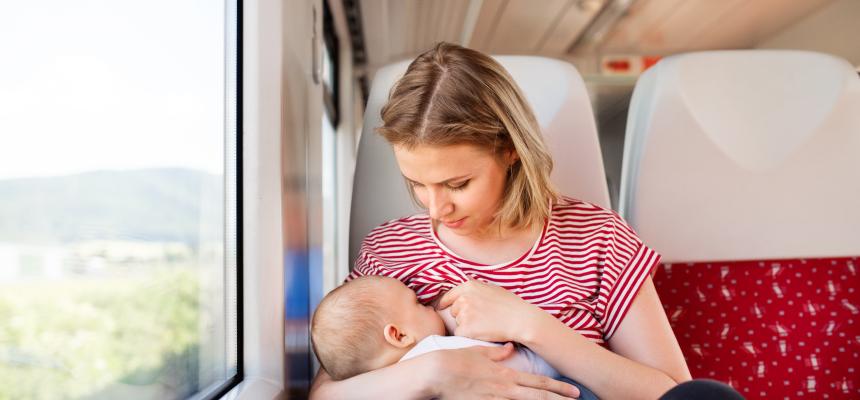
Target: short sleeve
{"type": "Point", "coordinates": [363, 265]}
{"type": "Point", "coordinates": [628, 262]}
{"type": "Point", "coordinates": [399, 249]}
{"type": "Point", "coordinates": [427, 282]}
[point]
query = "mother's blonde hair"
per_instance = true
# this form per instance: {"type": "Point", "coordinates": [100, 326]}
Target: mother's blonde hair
{"type": "Point", "coordinates": [453, 95]}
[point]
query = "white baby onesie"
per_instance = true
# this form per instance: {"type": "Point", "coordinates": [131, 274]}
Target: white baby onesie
{"type": "Point", "coordinates": [523, 360]}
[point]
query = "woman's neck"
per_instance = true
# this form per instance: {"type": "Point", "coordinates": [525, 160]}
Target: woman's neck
{"type": "Point", "coordinates": [493, 246]}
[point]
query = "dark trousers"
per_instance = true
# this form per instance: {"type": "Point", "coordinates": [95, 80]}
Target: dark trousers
{"type": "Point", "coordinates": [702, 389]}
{"type": "Point", "coordinates": [584, 392]}
{"type": "Point", "coordinates": [697, 389]}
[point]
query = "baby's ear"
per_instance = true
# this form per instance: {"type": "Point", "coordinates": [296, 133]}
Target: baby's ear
{"type": "Point", "coordinates": [396, 337]}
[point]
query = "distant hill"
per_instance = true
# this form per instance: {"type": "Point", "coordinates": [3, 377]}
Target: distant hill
{"type": "Point", "coordinates": [165, 205]}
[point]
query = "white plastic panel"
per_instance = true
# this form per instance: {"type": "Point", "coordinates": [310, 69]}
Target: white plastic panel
{"type": "Point", "coordinates": [739, 155]}
{"type": "Point", "coordinates": [559, 99]}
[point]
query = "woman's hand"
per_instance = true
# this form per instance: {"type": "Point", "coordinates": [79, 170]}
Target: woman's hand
{"type": "Point", "coordinates": [469, 373]}
{"type": "Point", "coordinates": [488, 312]}
{"type": "Point", "coordinates": [475, 372]}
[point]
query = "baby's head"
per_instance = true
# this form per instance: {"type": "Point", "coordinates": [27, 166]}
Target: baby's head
{"type": "Point", "coordinates": [369, 323]}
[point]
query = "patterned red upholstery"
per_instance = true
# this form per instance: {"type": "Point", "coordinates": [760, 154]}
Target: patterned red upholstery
{"type": "Point", "coordinates": [772, 330]}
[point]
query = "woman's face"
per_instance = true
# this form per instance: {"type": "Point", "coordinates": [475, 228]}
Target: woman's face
{"type": "Point", "coordinates": [461, 185]}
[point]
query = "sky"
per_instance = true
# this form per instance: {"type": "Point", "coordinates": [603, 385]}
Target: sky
{"type": "Point", "coordinates": [88, 85]}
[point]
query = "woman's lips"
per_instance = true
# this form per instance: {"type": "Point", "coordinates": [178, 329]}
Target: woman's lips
{"type": "Point", "coordinates": [454, 224]}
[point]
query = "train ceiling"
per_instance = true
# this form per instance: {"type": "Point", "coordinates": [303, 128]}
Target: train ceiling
{"type": "Point", "coordinates": [399, 29]}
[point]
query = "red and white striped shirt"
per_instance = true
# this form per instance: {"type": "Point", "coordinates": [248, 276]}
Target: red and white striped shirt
{"type": "Point", "coordinates": [585, 269]}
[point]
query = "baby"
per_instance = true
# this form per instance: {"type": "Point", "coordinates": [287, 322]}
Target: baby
{"type": "Point", "coordinates": [372, 322]}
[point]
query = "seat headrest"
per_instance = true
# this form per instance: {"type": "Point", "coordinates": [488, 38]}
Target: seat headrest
{"type": "Point", "coordinates": [749, 154]}
{"type": "Point", "coordinates": [559, 99]}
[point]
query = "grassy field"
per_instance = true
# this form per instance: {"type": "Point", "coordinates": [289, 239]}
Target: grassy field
{"type": "Point", "coordinates": [97, 338]}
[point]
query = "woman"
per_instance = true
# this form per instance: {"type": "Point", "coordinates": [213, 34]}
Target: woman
{"type": "Point", "coordinates": [503, 253]}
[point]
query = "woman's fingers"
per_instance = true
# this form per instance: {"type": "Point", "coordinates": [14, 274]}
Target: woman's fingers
{"type": "Point", "coordinates": [450, 297]}
{"type": "Point", "coordinates": [527, 393]}
{"type": "Point", "coordinates": [498, 353]}
{"type": "Point", "coordinates": [475, 372]}
{"type": "Point", "coordinates": [528, 386]}
{"type": "Point", "coordinates": [488, 312]}
{"type": "Point", "coordinates": [543, 383]}
{"type": "Point", "coordinates": [456, 307]}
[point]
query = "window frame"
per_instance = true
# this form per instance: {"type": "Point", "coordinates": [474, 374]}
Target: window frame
{"type": "Point", "coordinates": [233, 72]}
{"type": "Point", "coordinates": [331, 44]}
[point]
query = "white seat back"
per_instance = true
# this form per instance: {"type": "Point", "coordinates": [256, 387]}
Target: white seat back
{"type": "Point", "coordinates": [560, 102]}
{"type": "Point", "coordinates": [745, 155]}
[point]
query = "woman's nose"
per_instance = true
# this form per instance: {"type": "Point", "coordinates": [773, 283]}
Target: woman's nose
{"type": "Point", "coordinates": [440, 205]}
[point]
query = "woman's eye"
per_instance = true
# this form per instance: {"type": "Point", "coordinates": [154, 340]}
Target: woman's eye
{"type": "Point", "coordinates": [459, 186]}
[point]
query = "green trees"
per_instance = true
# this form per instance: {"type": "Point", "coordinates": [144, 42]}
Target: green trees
{"type": "Point", "coordinates": [101, 337]}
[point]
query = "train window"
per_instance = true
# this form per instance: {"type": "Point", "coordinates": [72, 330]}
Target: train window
{"type": "Point", "coordinates": [119, 215]}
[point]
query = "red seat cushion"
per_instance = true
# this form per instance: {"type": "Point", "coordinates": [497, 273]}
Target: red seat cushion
{"type": "Point", "coordinates": [771, 329]}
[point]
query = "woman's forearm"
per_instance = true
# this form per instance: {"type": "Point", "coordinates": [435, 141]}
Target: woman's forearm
{"type": "Point", "coordinates": [607, 374]}
{"type": "Point", "coordinates": [405, 380]}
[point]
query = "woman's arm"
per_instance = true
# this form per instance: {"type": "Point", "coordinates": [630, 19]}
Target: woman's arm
{"type": "Point", "coordinates": [648, 360]}
{"type": "Point", "coordinates": [377, 384]}
{"type": "Point", "coordinates": [646, 322]}
{"type": "Point", "coordinates": [464, 373]}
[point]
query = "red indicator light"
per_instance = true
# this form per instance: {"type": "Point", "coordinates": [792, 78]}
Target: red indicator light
{"type": "Point", "coordinates": [618, 65]}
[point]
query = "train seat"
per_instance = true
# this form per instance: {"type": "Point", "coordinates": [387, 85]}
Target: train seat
{"type": "Point", "coordinates": [757, 218]}
{"type": "Point", "coordinates": [561, 105]}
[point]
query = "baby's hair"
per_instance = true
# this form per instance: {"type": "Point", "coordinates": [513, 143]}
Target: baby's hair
{"type": "Point", "coordinates": [346, 329]}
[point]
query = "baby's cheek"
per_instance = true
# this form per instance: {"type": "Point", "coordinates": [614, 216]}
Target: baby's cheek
{"type": "Point", "coordinates": [448, 319]}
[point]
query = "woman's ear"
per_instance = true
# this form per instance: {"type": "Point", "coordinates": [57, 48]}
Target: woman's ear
{"type": "Point", "coordinates": [396, 337]}
{"type": "Point", "coordinates": [512, 157]}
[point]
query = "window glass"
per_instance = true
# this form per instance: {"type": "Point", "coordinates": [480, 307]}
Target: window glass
{"type": "Point", "coordinates": [118, 218]}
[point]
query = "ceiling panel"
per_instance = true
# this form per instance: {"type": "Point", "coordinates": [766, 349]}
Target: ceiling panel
{"type": "Point", "coordinates": [523, 24]}
{"type": "Point", "coordinates": [670, 26]}
{"type": "Point", "coordinates": [754, 21]}
{"type": "Point", "coordinates": [400, 29]}
{"type": "Point", "coordinates": [488, 21]}
{"type": "Point", "coordinates": [689, 20]}
{"type": "Point", "coordinates": [396, 29]}
{"type": "Point", "coordinates": [628, 35]}
{"type": "Point", "coordinates": [570, 23]}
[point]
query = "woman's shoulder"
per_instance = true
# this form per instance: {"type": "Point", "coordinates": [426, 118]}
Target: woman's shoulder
{"type": "Point", "coordinates": [569, 208]}
{"type": "Point", "coordinates": [402, 228]}
{"type": "Point", "coordinates": [394, 244]}
{"type": "Point", "coordinates": [569, 211]}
